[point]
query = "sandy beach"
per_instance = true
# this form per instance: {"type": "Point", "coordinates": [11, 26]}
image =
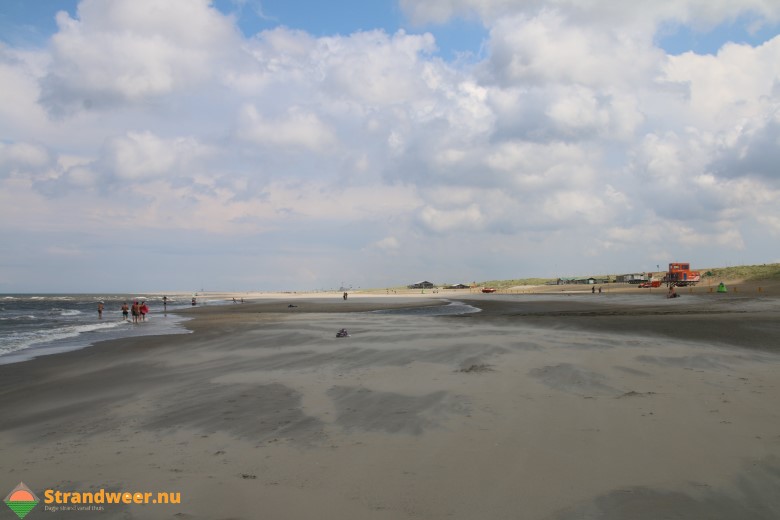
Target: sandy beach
{"type": "Point", "coordinates": [551, 407]}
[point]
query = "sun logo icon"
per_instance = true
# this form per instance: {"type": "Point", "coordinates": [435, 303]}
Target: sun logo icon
{"type": "Point", "coordinates": [21, 500]}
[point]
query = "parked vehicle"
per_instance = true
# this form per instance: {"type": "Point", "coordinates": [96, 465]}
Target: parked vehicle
{"type": "Point", "coordinates": [680, 275]}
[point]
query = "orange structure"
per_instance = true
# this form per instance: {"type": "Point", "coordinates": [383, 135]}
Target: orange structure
{"type": "Point", "coordinates": [680, 274]}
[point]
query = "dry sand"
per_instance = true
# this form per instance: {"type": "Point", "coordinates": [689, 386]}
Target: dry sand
{"type": "Point", "coordinates": [619, 406]}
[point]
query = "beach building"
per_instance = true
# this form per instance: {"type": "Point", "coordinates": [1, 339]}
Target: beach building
{"type": "Point", "coordinates": [421, 285]}
{"type": "Point", "coordinates": [458, 286]}
{"type": "Point", "coordinates": [632, 278]}
{"type": "Point", "coordinates": [588, 280]}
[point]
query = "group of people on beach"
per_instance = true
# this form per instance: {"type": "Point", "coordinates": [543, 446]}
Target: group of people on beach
{"type": "Point", "coordinates": [138, 310]}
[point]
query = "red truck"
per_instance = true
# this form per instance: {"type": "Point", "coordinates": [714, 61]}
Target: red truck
{"type": "Point", "coordinates": [680, 274]}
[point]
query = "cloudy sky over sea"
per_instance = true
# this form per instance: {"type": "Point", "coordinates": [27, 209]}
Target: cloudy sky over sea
{"type": "Point", "coordinates": [283, 144]}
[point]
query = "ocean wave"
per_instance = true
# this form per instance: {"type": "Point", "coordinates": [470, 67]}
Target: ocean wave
{"type": "Point", "coordinates": [70, 312]}
{"type": "Point", "coordinates": [15, 318]}
{"type": "Point", "coordinates": [22, 340]}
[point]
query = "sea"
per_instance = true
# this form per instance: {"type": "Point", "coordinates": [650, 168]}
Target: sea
{"type": "Point", "coordinates": [33, 325]}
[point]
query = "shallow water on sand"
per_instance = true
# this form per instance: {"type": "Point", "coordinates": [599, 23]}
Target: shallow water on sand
{"type": "Point", "coordinates": [32, 325]}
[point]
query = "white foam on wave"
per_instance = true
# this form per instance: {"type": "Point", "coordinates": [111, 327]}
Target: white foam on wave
{"type": "Point", "coordinates": [70, 312]}
{"type": "Point", "coordinates": [22, 340]}
{"type": "Point", "coordinates": [14, 318]}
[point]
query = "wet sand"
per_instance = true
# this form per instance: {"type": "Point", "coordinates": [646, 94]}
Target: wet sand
{"type": "Point", "coordinates": [539, 407]}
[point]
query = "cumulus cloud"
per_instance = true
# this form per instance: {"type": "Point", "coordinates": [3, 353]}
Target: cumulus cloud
{"type": "Point", "coordinates": [549, 49]}
{"type": "Point", "coordinates": [574, 131]}
{"type": "Point", "coordinates": [772, 223]}
{"type": "Point", "coordinates": [20, 70]}
{"type": "Point", "coordinates": [23, 157]}
{"type": "Point", "coordinates": [738, 83]}
{"type": "Point", "coordinates": [372, 67]}
{"type": "Point", "coordinates": [466, 219]}
{"type": "Point", "coordinates": [754, 151]}
{"type": "Point", "coordinates": [142, 155]}
{"type": "Point", "coordinates": [703, 13]}
{"type": "Point", "coordinates": [295, 128]}
{"type": "Point", "coordinates": [116, 52]}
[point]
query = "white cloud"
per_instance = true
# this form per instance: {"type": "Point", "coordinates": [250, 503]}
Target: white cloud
{"type": "Point", "coordinates": [388, 244]}
{"type": "Point", "coordinates": [737, 83]}
{"type": "Point", "coordinates": [118, 52]}
{"type": "Point", "coordinates": [543, 166]}
{"type": "Point", "coordinates": [772, 223]}
{"type": "Point", "coordinates": [20, 114]}
{"type": "Point", "coordinates": [703, 13]}
{"type": "Point", "coordinates": [142, 155]}
{"type": "Point", "coordinates": [549, 49]}
{"type": "Point", "coordinates": [574, 131]}
{"type": "Point", "coordinates": [23, 156]}
{"type": "Point", "coordinates": [467, 219]}
{"type": "Point", "coordinates": [752, 149]}
{"type": "Point", "coordinates": [82, 177]}
{"type": "Point", "coordinates": [295, 128]}
{"type": "Point", "coordinates": [372, 67]}
{"type": "Point", "coordinates": [576, 207]}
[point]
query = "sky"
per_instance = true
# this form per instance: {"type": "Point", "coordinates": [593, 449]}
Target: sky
{"type": "Point", "coordinates": [245, 145]}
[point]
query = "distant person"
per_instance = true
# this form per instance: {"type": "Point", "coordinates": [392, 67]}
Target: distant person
{"type": "Point", "coordinates": [593, 290]}
{"type": "Point", "coordinates": [672, 292]}
{"type": "Point", "coordinates": [100, 310]}
{"type": "Point", "coordinates": [144, 309]}
{"type": "Point", "coordinates": [194, 302]}
{"type": "Point", "coordinates": [599, 289]}
{"type": "Point", "coordinates": [242, 300]}
{"type": "Point", "coordinates": [135, 311]}
{"type": "Point", "coordinates": [125, 310]}
{"type": "Point", "coordinates": [165, 303]}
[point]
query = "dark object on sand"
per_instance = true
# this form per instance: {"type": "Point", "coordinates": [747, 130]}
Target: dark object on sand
{"type": "Point", "coordinates": [342, 333]}
{"type": "Point", "coordinates": [476, 369]}
{"type": "Point", "coordinates": [291, 305]}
